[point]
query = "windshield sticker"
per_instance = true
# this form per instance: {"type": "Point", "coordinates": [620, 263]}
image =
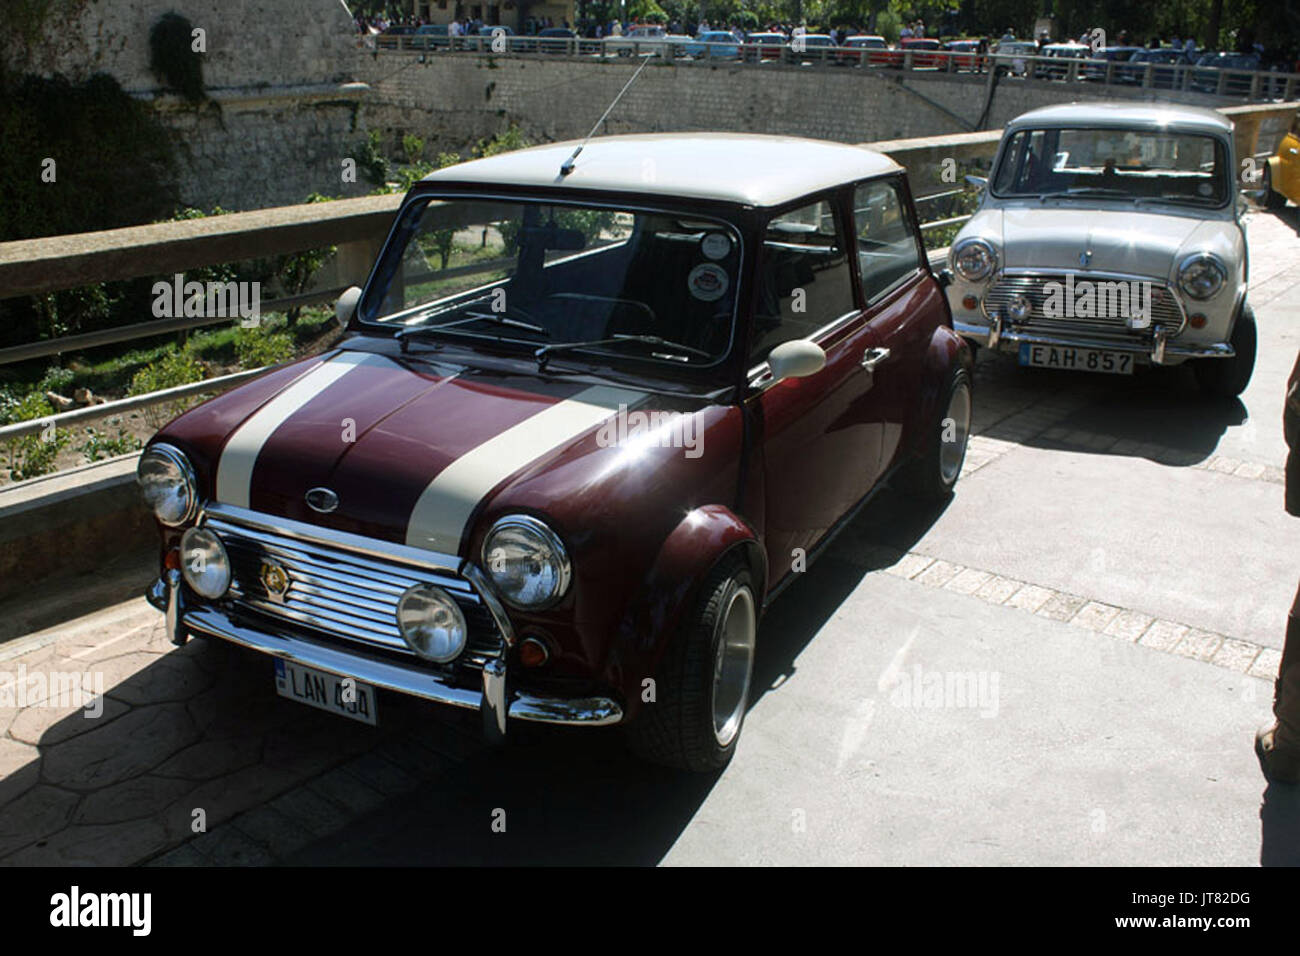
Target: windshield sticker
{"type": "Point", "coordinates": [715, 246]}
{"type": "Point", "coordinates": [1205, 189]}
{"type": "Point", "coordinates": [707, 282]}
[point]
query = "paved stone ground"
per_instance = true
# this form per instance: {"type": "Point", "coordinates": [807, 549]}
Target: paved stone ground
{"type": "Point", "coordinates": [1112, 578]}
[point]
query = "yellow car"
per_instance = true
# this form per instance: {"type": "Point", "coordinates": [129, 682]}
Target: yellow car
{"type": "Point", "coordinates": [1282, 174]}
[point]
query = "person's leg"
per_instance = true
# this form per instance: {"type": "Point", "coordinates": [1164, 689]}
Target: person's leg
{"type": "Point", "coordinates": [1279, 744]}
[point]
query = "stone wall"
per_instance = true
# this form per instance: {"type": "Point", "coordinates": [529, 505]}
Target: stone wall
{"type": "Point", "coordinates": [459, 98]}
{"type": "Point", "coordinates": [282, 113]}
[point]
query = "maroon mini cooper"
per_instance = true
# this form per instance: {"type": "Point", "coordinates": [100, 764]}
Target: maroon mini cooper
{"type": "Point", "coordinates": [594, 409]}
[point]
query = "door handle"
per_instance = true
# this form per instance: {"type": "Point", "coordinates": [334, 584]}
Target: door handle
{"type": "Point", "coordinates": [873, 357]}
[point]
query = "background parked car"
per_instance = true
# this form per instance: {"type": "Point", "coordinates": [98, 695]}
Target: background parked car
{"type": "Point", "coordinates": [926, 54]}
{"type": "Point", "coordinates": [431, 36]}
{"type": "Point", "coordinates": [1095, 72]}
{"type": "Point", "coordinates": [1060, 51]}
{"type": "Point", "coordinates": [852, 49]}
{"type": "Point", "coordinates": [1234, 83]}
{"type": "Point", "coordinates": [391, 39]}
{"type": "Point", "coordinates": [963, 56]}
{"type": "Point", "coordinates": [817, 47]}
{"type": "Point", "coordinates": [1165, 72]}
{"type": "Point", "coordinates": [714, 45]}
{"type": "Point", "coordinates": [642, 38]}
{"type": "Point", "coordinates": [555, 39]}
{"type": "Point", "coordinates": [1011, 56]}
{"type": "Point", "coordinates": [765, 46]}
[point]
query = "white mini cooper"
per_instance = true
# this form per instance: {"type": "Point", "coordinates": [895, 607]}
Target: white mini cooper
{"type": "Point", "coordinates": [1108, 236]}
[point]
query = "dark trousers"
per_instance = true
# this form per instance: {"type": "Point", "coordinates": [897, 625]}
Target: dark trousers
{"type": "Point", "coordinates": [1286, 693]}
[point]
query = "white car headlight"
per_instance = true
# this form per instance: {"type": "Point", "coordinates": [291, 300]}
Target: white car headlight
{"type": "Point", "coordinates": [974, 259]}
{"type": "Point", "coordinates": [1202, 275]}
{"type": "Point", "coordinates": [204, 563]}
{"type": "Point", "coordinates": [431, 623]}
{"type": "Point", "coordinates": [167, 481]}
{"type": "Point", "coordinates": [526, 561]}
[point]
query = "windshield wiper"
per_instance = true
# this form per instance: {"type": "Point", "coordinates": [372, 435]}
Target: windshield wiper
{"type": "Point", "coordinates": [470, 317]}
{"type": "Point", "coordinates": [1085, 191]}
{"type": "Point", "coordinates": [1176, 197]}
{"type": "Point", "coordinates": [543, 354]}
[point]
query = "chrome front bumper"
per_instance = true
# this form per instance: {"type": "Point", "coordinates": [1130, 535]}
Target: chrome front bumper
{"type": "Point", "coordinates": [495, 700]}
{"type": "Point", "coordinates": [996, 336]}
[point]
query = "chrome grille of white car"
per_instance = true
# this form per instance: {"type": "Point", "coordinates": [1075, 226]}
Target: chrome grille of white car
{"type": "Point", "coordinates": [343, 594]}
{"type": "Point", "coordinates": [1165, 309]}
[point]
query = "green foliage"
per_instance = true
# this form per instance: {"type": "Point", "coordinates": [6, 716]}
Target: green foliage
{"type": "Point", "coordinates": [260, 345]}
{"type": "Point", "coordinates": [412, 148]}
{"type": "Point", "coordinates": [32, 455]}
{"type": "Point", "coordinates": [172, 58]}
{"type": "Point", "coordinates": [100, 445]}
{"type": "Point", "coordinates": [296, 271]}
{"type": "Point", "coordinates": [510, 139]}
{"type": "Point", "coordinates": [371, 160]}
{"type": "Point", "coordinates": [175, 367]}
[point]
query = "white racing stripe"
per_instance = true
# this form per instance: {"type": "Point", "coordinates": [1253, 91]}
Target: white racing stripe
{"type": "Point", "coordinates": [443, 509]}
{"type": "Point", "coordinates": [235, 470]}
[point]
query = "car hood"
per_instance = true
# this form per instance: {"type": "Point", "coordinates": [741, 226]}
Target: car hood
{"type": "Point", "coordinates": [414, 451]}
{"type": "Point", "coordinates": [1123, 241]}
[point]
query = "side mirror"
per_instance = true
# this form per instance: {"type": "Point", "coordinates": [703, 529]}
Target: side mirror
{"type": "Point", "coordinates": [797, 358]}
{"type": "Point", "coordinates": [347, 305]}
{"type": "Point", "coordinates": [944, 277]}
{"type": "Point", "coordinates": [979, 182]}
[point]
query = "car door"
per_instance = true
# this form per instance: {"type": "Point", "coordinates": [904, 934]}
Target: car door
{"type": "Point", "coordinates": [902, 305]}
{"type": "Point", "coordinates": [820, 435]}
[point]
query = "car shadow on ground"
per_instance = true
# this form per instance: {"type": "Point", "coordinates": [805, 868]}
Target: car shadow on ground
{"type": "Point", "coordinates": [1156, 413]}
{"type": "Point", "coordinates": [578, 797]}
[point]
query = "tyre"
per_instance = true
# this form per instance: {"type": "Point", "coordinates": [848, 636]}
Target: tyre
{"type": "Point", "coordinates": [1271, 199]}
{"type": "Point", "coordinates": [932, 475]}
{"type": "Point", "coordinates": [1228, 378]}
{"type": "Point", "coordinates": [702, 690]}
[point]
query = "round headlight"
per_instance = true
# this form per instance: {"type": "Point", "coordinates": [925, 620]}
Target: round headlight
{"type": "Point", "coordinates": [526, 561]}
{"type": "Point", "coordinates": [974, 259]}
{"type": "Point", "coordinates": [167, 481]}
{"type": "Point", "coordinates": [1201, 275]}
{"type": "Point", "coordinates": [431, 623]}
{"type": "Point", "coordinates": [204, 563]}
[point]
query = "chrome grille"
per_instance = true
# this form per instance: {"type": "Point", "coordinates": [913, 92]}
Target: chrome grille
{"type": "Point", "coordinates": [344, 594]}
{"type": "Point", "coordinates": [1165, 308]}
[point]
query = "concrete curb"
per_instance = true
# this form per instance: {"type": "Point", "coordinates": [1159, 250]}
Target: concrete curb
{"type": "Point", "coordinates": [69, 522]}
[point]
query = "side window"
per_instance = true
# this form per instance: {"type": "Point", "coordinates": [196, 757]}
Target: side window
{"type": "Point", "coordinates": [885, 236]}
{"type": "Point", "coordinates": [804, 281]}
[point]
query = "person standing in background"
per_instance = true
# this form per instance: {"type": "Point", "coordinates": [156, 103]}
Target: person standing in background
{"type": "Point", "coordinates": [1278, 743]}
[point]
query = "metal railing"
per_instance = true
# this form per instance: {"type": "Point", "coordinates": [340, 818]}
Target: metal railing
{"type": "Point", "coordinates": [357, 227]}
{"type": "Point", "coordinates": [1253, 85]}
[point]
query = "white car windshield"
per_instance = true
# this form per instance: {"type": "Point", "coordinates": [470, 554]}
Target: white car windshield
{"type": "Point", "coordinates": [1140, 165]}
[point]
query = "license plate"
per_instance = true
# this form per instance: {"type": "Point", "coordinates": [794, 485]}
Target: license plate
{"type": "Point", "coordinates": [1076, 359]}
{"type": "Point", "coordinates": [325, 691]}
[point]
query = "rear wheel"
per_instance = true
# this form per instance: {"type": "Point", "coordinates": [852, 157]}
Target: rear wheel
{"type": "Point", "coordinates": [932, 475]}
{"type": "Point", "coordinates": [1228, 378]}
{"type": "Point", "coordinates": [702, 691]}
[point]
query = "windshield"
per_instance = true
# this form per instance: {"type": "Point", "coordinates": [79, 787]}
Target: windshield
{"type": "Point", "coordinates": [1125, 164]}
{"type": "Point", "coordinates": [529, 273]}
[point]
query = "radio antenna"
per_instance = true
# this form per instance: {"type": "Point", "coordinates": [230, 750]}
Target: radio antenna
{"type": "Point", "coordinates": [567, 166]}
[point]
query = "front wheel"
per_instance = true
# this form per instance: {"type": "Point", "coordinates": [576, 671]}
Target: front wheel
{"type": "Point", "coordinates": [1228, 378]}
{"type": "Point", "coordinates": [932, 475]}
{"type": "Point", "coordinates": [702, 691]}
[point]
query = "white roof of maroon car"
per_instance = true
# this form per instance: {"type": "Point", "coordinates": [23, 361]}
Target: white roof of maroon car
{"type": "Point", "coordinates": [1125, 114]}
{"type": "Point", "coordinates": [730, 167]}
